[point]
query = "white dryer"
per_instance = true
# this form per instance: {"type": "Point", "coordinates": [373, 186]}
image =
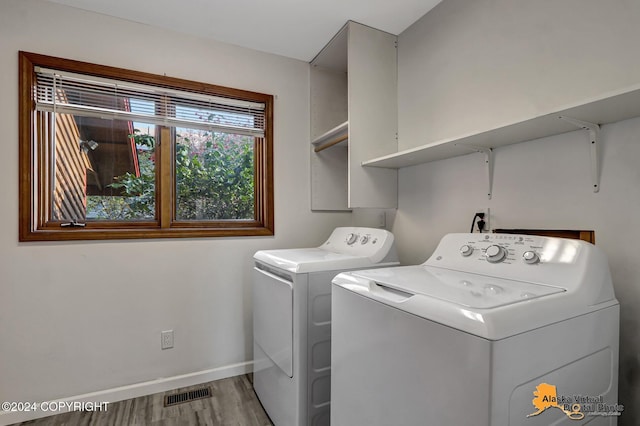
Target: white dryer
{"type": "Point", "coordinates": [292, 320]}
{"type": "Point", "coordinates": [492, 330]}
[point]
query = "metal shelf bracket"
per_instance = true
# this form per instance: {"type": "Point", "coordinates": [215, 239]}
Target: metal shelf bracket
{"type": "Point", "coordinates": [594, 142]}
{"type": "Point", "coordinates": [488, 152]}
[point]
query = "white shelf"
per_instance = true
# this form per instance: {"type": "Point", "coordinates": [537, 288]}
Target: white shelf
{"type": "Point", "coordinates": [610, 108]}
{"type": "Point", "coordinates": [334, 134]}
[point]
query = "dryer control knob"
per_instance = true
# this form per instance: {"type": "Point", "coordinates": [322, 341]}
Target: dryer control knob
{"type": "Point", "coordinates": [530, 257]}
{"type": "Point", "coordinates": [495, 253]}
{"type": "Point", "coordinates": [352, 238]}
{"type": "Point", "coordinates": [466, 250]}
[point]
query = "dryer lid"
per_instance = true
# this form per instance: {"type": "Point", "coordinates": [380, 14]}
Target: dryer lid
{"type": "Point", "coordinates": [311, 260]}
{"type": "Point", "coordinates": [346, 248]}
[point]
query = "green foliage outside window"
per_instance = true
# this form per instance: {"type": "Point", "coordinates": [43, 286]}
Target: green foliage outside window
{"type": "Point", "coordinates": [214, 180]}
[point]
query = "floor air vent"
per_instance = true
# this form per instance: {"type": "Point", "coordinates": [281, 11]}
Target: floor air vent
{"type": "Point", "coordinates": [181, 398]}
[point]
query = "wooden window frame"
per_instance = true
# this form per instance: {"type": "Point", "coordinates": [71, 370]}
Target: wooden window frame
{"type": "Point", "coordinates": [34, 224]}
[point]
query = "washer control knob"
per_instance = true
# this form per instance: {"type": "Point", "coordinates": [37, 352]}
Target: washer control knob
{"type": "Point", "coordinates": [364, 239]}
{"type": "Point", "coordinates": [352, 238]}
{"type": "Point", "coordinates": [530, 257]}
{"type": "Point", "coordinates": [466, 250]}
{"type": "Point", "coordinates": [495, 253]}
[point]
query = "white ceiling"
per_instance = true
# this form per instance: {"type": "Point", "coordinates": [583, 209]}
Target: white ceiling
{"type": "Point", "coordinates": [293, 28]}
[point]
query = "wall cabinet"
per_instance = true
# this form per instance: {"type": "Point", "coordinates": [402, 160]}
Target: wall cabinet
{"type": "Point", "coordinates": [354, 117]}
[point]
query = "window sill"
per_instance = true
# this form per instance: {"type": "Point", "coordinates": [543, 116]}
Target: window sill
{"type": "Point", "coordinates": [139, 233]}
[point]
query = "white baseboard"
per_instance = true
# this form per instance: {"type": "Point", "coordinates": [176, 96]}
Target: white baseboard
{"type": "Point", "coordinates": [131, 391]}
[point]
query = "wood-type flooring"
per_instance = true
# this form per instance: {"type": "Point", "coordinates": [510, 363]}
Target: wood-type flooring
{"type": "Point", "coordinates": [233, 403]}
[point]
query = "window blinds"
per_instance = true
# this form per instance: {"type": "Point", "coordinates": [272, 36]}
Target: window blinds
{"type": "Point", "coordinates": [85, 95]}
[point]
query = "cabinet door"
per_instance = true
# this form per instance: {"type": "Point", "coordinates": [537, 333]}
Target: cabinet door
{"type": "Point", "coordinates": [373, 115]}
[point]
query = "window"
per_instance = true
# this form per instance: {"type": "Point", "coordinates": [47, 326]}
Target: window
{"type": "Point", "coordinates": [112, 153]}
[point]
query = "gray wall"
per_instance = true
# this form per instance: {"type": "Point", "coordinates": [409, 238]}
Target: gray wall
{"type": "Point", "coordinates": [469, 66]}
{"type": "Point", "coordinates": [81, 317]}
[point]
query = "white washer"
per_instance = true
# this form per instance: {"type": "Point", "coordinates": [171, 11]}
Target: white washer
{"type": "Point", "coordinates": [292, 320]}
{"type": "Point", "coordinates": [466, 337]}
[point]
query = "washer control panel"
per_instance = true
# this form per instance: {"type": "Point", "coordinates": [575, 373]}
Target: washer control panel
{"type": "Point", "coordinates": [560, 262]}
{"type": "Point", "coordinates": [498, 248]}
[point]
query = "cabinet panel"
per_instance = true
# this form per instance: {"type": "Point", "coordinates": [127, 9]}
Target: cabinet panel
{"type": "Point", "coordinates": [373, 115]}
{"type": "Point", "coordinates": [354, 78]}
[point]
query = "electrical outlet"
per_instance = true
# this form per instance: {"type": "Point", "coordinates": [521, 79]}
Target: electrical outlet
{"type": "Point", "coordinates": [487, 218]}
{"type": "Point", "coordinates": [382, 220]}
{"type": "Point", "coordinates": [166, 339]}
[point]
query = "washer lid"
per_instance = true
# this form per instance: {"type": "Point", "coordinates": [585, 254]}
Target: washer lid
{"type": "Point", "coordinates": [488, 307]}
{"type": "Point", "coordinates": [311, 260]}
{"type": "Point", "coordinates": [457, 287]}
{"type": "Point", "coordinates": [460, 288]}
